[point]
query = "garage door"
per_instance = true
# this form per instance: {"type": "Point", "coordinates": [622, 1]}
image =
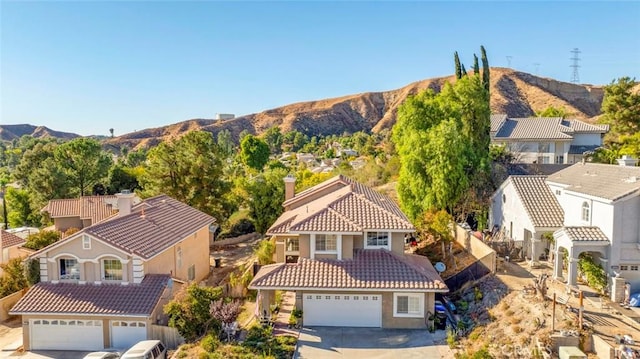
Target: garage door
{"type": "Point", "coordinates": [66, 334]}
{"type": "Point", "coordinates": [124, 334]}
{"type": "Point", "coordinates": [344, 310]}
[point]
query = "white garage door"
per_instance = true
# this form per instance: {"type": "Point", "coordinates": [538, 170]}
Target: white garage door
{"type": "Point", "coordinates": [343, 310]}
{"type": "Point", "coordinates": [66, 334]}
{"type": "Point", "coordinates": [124, 334]}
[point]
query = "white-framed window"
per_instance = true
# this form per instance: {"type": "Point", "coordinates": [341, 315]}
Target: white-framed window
{"type": "Point", "coordinates": [292, 245]}
{"type": "Point", "coordinates": [408, 305]}
{"type": "Point", "coordinates": [377, 239]}
{"type": "Point", "coordinates": [633, 267]}
{"type": "Point", "coordinates": [111, 269]}
{"type": "Point", "coordinates": [69, 269]}
{"type": "Point", "coordinates": [179, 257]}
{"type": "Point", "coordinates": [586, 212]}
{"type": "Point", "coordinates": [624, 267]}
{"type": "Point", "coordinates": [191, 272]}
{"type": "Point", "coordinates": [326, 242]}
{"type": "Point", "coordinates": [86, 242]}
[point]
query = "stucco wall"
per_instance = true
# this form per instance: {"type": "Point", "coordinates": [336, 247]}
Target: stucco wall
{"type": "Point", "coordinates": [358, 242]}
{"type": "Point", "coordinates": [304, 244]}
{"type": "Point", "coordinates": [476, 247]}
{"type": "Point", "coordinates": [389, 321]}
{"type": "Point", "coordinates": [7, 302]}
{"type": "Point", "coordinates": [195, 250]}
{"type": "Point", "coordinates": [62, 224]}
{"type": "Point", "coordinates": [347, 246]}
{"type": "Point", "coordinates": [507, 211]}
{"type": "Point", "coordinates": [397, 243]}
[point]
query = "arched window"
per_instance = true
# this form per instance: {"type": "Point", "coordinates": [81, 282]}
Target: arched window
{"type": "Point", "coordinates": [585, 212]}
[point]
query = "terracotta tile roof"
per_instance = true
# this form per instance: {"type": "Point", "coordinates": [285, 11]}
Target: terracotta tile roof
{"type": "Point", "coordinates": [10, 240]}
{"type": "Point", "coordinates": [585, 234]}
{"type": "Point", "coordinates": [165, 222]}
{"type": "Point", "coordinates": [91, 299]}
{"type": "Point", "coordinates": [610, 182]}
{"type": "Point", "coordinates": [351, 207]}
{"type": "Point", "coordinates": [540, 204]}
{"type": "Point", "coordinates": [370, 269]}
{"type": "Point", "coordinates": [96, 208]}
{"type": "Point", "coordinates": [553, 128]}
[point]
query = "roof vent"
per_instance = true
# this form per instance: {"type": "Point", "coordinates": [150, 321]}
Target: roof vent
{"type": "Point", "coordinates": [631, 179]}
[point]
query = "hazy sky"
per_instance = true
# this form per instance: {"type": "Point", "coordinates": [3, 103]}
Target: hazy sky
{"type": "Point", "coordinates": [87, 66]}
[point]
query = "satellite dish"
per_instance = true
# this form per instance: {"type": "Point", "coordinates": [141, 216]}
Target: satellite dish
{"type": "Point", "coordinates": [440, 267]}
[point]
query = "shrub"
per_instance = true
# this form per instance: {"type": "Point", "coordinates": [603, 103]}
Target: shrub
{"type": "Point", "coordinates": [451, 338]}
{"type": "Point", "coordinates": [210, 343]}
{"type": "Point", "coordinates": [189, 312]}
{"type": "Point", "coordinates": [265, 251]}
{"type": "Point", "coordinates": [238, 228]}
{"type": "Point", "coordinates": [41, 239]}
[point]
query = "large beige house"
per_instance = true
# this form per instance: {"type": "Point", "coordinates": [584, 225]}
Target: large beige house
{"type": "Point", "coordinates": [104, 286]}
{"type": "Point", "coordinates": [340, 247]}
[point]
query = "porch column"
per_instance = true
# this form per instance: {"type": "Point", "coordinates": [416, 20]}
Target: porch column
{"type": "Point", "coordinates": [573, 271]}
{"type": "Point", "coordinates": [557, 266]}
{"type": "Point", "coordinates": [534, 251]}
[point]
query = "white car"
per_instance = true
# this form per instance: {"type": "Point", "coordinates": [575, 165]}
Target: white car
{"type": "Point", "coordinates": [102, 355]}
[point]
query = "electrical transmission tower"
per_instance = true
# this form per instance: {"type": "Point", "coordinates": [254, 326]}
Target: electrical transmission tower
{"type": "Point", "coordinates": [575, 78]}
{"type": "Point", "coordinates": [509, 61]}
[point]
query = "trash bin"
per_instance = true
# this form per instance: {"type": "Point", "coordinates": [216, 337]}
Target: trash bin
{"type": "Point", "coordinates": [217, 262]}
{"type": "Point", "coordinates": [441, 323]}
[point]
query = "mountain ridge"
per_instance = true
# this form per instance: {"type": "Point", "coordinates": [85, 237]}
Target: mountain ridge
{"type": "Point", "coordinates": [515, 93]}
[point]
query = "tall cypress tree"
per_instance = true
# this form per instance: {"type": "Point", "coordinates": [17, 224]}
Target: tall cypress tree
{"type": "Point", "coordinates": [476, 67]}
{"type": "Point", "coordinates": [485, 68]}
{"type": "Point", "coordinates": [464, 71]}
{"type": "Point", "coordinates": [456, 59]}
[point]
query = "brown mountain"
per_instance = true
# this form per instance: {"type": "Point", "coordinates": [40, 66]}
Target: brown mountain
{"type": "Point", "coordinates": [514, 93]}
{"type": "Point", "coordinates": [10, 132]}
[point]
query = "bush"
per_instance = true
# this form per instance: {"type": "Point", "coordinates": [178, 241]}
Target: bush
{"type": "Point", "coordinates": [42, 239]}
{"type": "Point", "coordinates": [265, 252]}
{"type": "Point", "coordinates": [210, 343]}
{"type": "Point", "coordinates": [238, 228]}
{"type": "Point", "coordinates": [189, 312]}
{"type": "Point", "coordinates": [451, 338]}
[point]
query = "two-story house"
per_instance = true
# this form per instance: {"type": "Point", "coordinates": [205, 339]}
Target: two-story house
{"type": "Point", "coordinates": [601, 206]}
{"type": "Point", "coordinates": [340, 248]}
{"type": "Point", "coordinates": [546, 140]}
{"type": "Point", "coordinates": [83, 211]}
{"type": "Point", "coordinates": [104, 286]}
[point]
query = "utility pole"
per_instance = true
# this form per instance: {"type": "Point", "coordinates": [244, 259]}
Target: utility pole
{"type": "Point", "coordinates": [575, 58]}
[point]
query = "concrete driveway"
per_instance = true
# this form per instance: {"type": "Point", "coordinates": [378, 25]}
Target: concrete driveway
{"type": "Point", "coordinates": [371, 343]}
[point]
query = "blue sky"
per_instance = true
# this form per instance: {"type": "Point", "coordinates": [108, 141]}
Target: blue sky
{"type": "Point", "coordinates": [87, 66]}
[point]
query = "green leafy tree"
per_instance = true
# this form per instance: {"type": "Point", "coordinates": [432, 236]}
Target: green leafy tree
{"type": "Point", "coordinates": [19, 208]}
{"type": "Point", "coordinates": [189, 311]}
{"type": "Point", "coordinates": [225, 142]}
{"type": "Point", "coordinates": [456, 60]}
{"type": "Point", "coordinates": [254, 152]}
{"type": "Point", "coordinates": [84, 162]}
{"type": "Point", "coordinates": [476, 67]}
{"type": "Point", "coordinates": [553, 112]}
{"type": "Point", "coordinates": [190, 169]}
{"type": "Point", "coordinates": [621, 108]}
{"type": "Point", "coordinates": [13, 277]}
{"type": "Point", "coordinates": [121, 177]}
{"type": "Point", "coordinates": [266, 194]}
{"type": "Point", "coordinates": [294, 140]}
{"type": "Point", "coordinates": [42, 239]}
{"type": "Point", "coordinates": [442, 141]}
{"type": "Point", "coordinates": [265, 251]}
{"type": "Point", "coordinates": [274, 138]}
{"type": "Point", "coordinates": [485, 68]}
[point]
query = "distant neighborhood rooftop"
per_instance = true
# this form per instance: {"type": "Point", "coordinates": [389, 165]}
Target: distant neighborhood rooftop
{"type": "Point", "coordinates": [540, 128]}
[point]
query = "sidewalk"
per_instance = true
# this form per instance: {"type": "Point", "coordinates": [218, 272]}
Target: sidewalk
{"type": "Point", "coordinates": [281, 323]}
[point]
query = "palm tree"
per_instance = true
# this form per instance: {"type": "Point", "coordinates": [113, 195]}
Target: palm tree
{"type": "Point", "coordinates": [111, 130]}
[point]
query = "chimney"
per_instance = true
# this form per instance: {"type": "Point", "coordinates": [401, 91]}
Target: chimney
{"type": "Point", "coordinates": [289, 187]}
{"type": "Point", "coordinates": [125, 202]}
{"type": "Point", "coordinates": [627, 160]}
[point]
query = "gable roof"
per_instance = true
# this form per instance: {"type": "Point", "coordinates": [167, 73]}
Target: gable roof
{"type": "Point", "coordinates": [584, 234]}
{"type": "Point", "coordinates": [350, 207]}
{"type": "Point", "coordinates": [610, 182]}
{"type": "Point", "coordinates": [541, 128]}
{"type": "Point", "coordinates": [92, 299]}
{"type": "Point", "coordinates": [96, 208]}
{"type": "Point", "coordinates": [370, 269]}
{"type": "Point", "coordinates": [154, 225]}
{"type": "Point", "coordinates": [541, 205]}
{"type": "Point", "coordinates": [10, 240]}
{"type": "Point", "coordinates": [496, 121]}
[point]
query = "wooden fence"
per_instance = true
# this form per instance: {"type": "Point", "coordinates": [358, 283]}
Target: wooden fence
{"type": "Point", "coordinates": [169, 336]}
{"type": "Point", "coordinates": [6, 303]}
